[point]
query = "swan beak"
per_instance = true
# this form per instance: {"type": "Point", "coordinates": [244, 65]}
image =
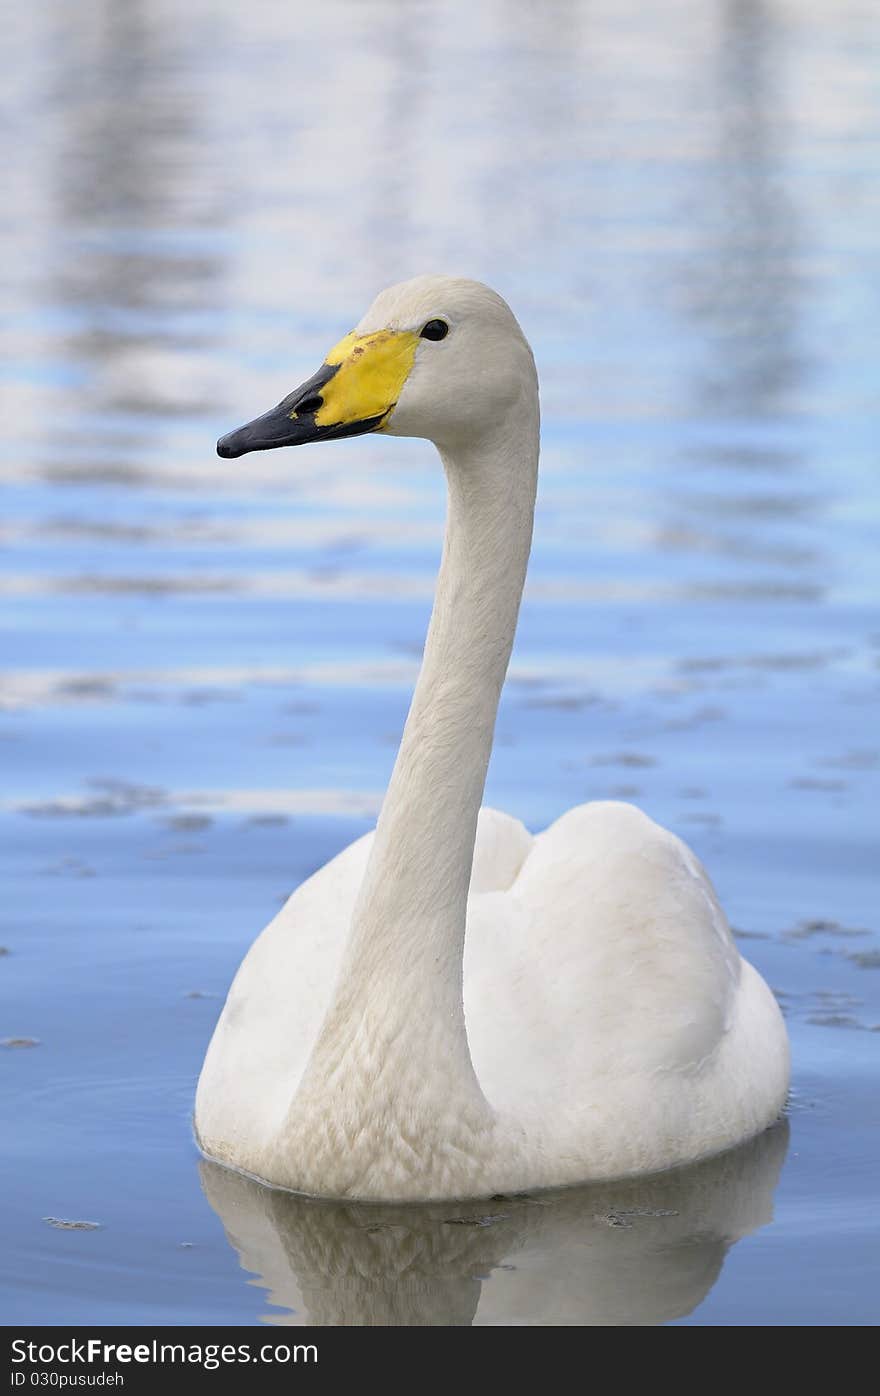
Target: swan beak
{"type": "Point", "coordinates": [354, 391]}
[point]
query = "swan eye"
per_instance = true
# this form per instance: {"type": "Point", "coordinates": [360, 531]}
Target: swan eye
{"type": "Point", "coordinates": [435, 329]}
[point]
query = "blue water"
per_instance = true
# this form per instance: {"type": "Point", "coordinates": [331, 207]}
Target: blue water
{"type": "Point", "coordinates": [206, 665]}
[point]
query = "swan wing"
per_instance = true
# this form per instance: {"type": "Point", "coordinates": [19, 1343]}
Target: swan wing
{"type": "Point", "coordinates": [274, 1009]}
{"type": "Point", "coordinates": [607, 959]}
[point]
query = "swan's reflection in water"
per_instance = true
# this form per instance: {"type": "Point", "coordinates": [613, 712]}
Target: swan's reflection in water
{"type": "Point", "coordinates": [631, 1253]}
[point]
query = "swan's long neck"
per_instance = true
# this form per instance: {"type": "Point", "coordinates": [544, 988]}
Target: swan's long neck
{"type": "Point", "coordinates": [414, 896]}
{"type": "Point", "coordinates": [396, 1024]}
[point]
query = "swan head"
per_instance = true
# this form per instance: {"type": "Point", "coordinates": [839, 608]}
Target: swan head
{"type": "Point", "coordinates": [439, 357]}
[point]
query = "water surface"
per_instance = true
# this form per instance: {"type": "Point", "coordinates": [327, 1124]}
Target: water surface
{"type": "Point", "coordinates": [207, 664]}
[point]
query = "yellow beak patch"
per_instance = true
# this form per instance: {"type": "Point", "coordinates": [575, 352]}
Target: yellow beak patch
{"type": "Point", "coordinates": [371, 372]}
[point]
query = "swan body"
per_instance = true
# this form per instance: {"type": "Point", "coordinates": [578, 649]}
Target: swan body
{"type": "Point", "coordinates": [452, 1007]}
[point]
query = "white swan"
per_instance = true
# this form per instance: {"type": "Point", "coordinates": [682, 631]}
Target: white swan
{"type": "Point", "coordinates": [612, 1026]}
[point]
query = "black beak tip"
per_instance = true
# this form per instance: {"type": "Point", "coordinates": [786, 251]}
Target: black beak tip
{"type": "Point", "coordinates": [228, 448]}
